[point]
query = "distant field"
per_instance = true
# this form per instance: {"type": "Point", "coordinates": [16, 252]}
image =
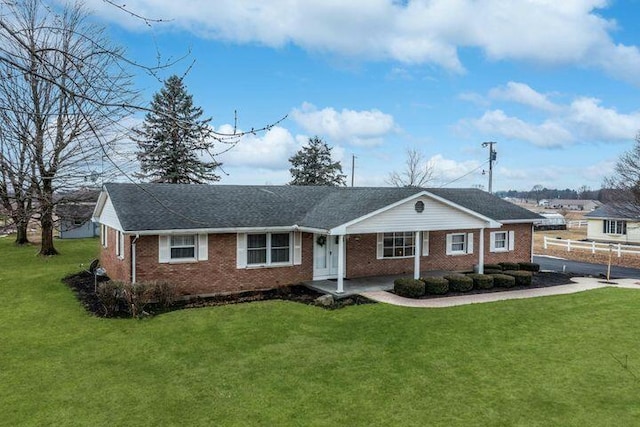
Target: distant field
{"type": "Point", "coordinates": [560, 361]}
{"type": "Point", "coordinates": [571, 233]}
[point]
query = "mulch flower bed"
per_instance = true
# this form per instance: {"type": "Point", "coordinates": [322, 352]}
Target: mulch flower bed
{"type": "Point", "coordinates": [82, 284]}
{"type": "Point", "coordinates": [543, 279]}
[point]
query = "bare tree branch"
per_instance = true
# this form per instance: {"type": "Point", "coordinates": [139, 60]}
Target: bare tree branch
{"type": "Point", "coordinates": [417, 172]}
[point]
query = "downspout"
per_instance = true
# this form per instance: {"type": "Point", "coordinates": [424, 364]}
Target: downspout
{"type": "Point", "coordinates": [481, 252]}
{"type": "Point", "coordinates": [532, 231]}
{"type": "Point", "coordinates": [133, 258]}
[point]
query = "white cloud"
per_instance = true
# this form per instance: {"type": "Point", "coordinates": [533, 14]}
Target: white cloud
{"type": "Point", "coordinates": [546, 134]}
{"type": "Point", "coordinates": [415, 31]}
{"type": "Point", "coordinates": [448, 171]}
{"type": "Point", "coordinates": [583, 120]}
{"type": "Point", "coordinates": [270, 150]}
{"type": "Point", "coordinates": [596, 122]}
{"type": "Point", "coordinates": [362, 128]}
{"type": "Point", "coordinates": [523, 94]}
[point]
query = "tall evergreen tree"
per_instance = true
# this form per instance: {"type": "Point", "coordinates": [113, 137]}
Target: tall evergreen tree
{"type": "Point", "coordinates": [312, 165]}
{"type": "Point", "coordinates": [172, 137]}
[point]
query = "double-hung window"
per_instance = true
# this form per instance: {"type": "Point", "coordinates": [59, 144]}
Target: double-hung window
{"type": "Point", "coordinates": [183, 246]}
{"type": "Point", "coordinates": [398, 245]}
{"type": "Point", "coordinates": [459, 243]}
{"type": "Point", "coordinates": [502, 241]}
{"type": "Point", "coordinates": [612, 226]}
{"type": "Point", "coordinates": [268, 248]}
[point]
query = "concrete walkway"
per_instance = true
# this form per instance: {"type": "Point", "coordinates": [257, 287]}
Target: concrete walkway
{"type": "Point", "coordinates": [581, 284]}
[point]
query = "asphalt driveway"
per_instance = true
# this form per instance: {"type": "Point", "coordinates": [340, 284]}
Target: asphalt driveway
{"type": "Point", "coordinates": [584, 268]}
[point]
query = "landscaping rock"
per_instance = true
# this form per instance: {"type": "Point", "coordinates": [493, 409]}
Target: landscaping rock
{"type": "Point", "coordinates": [325, 300]}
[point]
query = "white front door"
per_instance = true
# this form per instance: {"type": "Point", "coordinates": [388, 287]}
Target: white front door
{"type": "Point", "coordinates": [325, 257]}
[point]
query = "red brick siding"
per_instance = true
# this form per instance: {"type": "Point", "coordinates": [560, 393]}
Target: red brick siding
{"type": "Point", "coordinates": [219, 273]}
{"type": "Point", "coordinates": [117, 269]}
{"type": "Point", "coordinates": [362, 252]}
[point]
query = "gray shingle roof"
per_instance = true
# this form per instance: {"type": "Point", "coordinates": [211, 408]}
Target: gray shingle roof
{"type": "Point", "coordinates": [620, 210]}
{"type": "Point", "coordinates": [182, 206]}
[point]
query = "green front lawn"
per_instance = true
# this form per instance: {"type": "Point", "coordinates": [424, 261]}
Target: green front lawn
{"type": "Point", "coordinates": [545, 361]}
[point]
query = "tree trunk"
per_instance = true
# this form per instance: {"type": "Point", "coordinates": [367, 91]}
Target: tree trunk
{"type": "Point", "coordinates": [21, 233]}
{"type": "Point", "coordinates": [46, 224]}
{"type": "Point", "coordinates": [46, 219]}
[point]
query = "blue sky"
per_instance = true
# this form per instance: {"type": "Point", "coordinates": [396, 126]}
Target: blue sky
{"type": "Point", "coordinates": [555, 83]}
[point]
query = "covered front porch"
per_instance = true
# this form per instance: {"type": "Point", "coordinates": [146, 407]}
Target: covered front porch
{"type": "Point", "coordinates": [364, 284]}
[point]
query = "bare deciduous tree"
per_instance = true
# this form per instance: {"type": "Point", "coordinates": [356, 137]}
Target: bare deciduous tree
{"type": "Point", "coordinates": [418, 172]}
{"type": "Point", "coordinates": [70, 88]}
{"type": "Point", "coordinates": [623, 188]}
{"type": "Point", "coordinates": [65, 88]}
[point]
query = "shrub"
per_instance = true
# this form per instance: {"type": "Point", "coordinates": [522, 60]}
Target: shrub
{"type": "Point", "coordinates": [137, 296]}
{"type": "Point", "coordinates": [110, 295]}
{"type": "Point", "coordinates": [503, 281]}
{"type": "Point", "coordinates": [492, 267]}
{"type": "Point", "coordinates": [523, 278]}
{"type": "Point", "coordinates": [529, 266]}
{"type": "Point", "coordinates": [459, 282]}
{"type": "Point", "coordinates": [409, 288]}
{"type": "Point", "coordinates": [436, 285]}
{"type": "Point", "coordinates": [492, 271]}
{"type": "Point", "coordinates": [481, 281]}
{"type": "Point", "coordinates": [509, 266]}
{"type": "Point", "coordinates": [164, 293]}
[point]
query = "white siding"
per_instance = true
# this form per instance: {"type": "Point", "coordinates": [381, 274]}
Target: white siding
{"type": "Point", "coordinates": [109, 217]}
{"type": "Point", "coordinates": [595, 232]}
{"type": "Point", "coordinates": [436, 216]}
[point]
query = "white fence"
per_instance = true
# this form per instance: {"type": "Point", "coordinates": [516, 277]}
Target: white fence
{"type": "Point", "coordinates": [594, 247]}
{"type": "Point", "coordinates": [577, 224]}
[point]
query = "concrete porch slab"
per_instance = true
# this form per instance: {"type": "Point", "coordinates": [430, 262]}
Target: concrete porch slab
{"type": "Point", "coordinates": [364, 284]}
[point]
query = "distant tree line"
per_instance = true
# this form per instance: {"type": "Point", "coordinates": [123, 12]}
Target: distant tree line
{"type": "Point", "coordinates": [539, 192]}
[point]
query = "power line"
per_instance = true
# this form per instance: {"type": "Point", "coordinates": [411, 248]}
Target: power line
{"type": "Point", "coordinates": [466, 174]}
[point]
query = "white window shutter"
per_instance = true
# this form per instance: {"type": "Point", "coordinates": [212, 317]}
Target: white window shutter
{"type": "Point", "coordinates": [203, 247]}
{"type": "Point", "coordinates": [241, 252]}
{"type": "Point", "coordinates": [470, 243]}
{"type": "Point", "coordinates": [105, 235]}
{"type": "Point", "coordinates": [425, 243]}
{"type": "Point", "coordinates": [449, 244]}
{"type": "Point", "coordinates": [164, 252]}
{"type": "Point", "coordinates": [380, 246]}
{"type": "Point", "coordinates": [512, 240]}
{"type": "Point", "coordinates": [492, 242]}
{"type": "Point", "coordinates": [297, 248]}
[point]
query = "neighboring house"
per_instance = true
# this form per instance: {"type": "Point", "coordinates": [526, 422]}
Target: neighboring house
{"type": "Point", "coordinates": [225, 238]}
{"type": "Point", "coordinates": [573, 205]}
{"type": "Point", "coordinates": [74, 212]}
{"type": "Point", "coordinates": [614, 222]}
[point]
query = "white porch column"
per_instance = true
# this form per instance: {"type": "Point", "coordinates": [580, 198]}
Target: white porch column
{"type": "Point", "coordinates": [481, 252]}
{"type": "Point", "coordinates": [340, 288]}
{"type": "Point", "coordinates": [417, 251]}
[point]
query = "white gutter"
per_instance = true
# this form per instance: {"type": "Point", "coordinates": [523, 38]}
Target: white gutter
{"type": "Point", "coordinates": [226, 230]}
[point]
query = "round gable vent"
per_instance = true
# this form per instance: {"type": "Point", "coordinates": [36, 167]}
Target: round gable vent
{"type": "Point", "coordinates": [419, 206]}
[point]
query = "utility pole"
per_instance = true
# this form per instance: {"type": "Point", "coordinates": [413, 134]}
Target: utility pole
{"type": "Point", "coordinates": [492, 158]}
{"type": "Point", "coordinates": [353, 168]}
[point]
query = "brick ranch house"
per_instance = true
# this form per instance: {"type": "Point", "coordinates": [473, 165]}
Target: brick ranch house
{"type": "Point", "coordinates": [227, 238]}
